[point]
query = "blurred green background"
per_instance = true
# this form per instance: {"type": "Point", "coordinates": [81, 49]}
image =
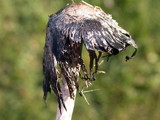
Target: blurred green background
{"type": "Point", "coordinates": [128, 91]}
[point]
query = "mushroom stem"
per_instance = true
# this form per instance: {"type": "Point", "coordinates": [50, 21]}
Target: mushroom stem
{"type": "Point", "coordinates": [68, 101]}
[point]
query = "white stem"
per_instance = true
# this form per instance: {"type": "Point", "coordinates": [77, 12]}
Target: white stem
{"type": "Point", "coordinates": [69, 103]}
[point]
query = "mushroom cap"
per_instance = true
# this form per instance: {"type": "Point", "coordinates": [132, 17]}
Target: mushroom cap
{"type": "Point", "coordinates": [67, 30]}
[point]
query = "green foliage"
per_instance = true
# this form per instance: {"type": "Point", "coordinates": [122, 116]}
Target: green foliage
{"type": "Point", "coordinates": [128, 91]}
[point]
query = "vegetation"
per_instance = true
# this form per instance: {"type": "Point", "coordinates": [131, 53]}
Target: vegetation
{"type": "Point", "coordinates": [128, 91]}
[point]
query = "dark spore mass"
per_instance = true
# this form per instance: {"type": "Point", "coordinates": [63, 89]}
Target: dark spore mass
{"type": "Point", "coordinates": [67, 31]}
